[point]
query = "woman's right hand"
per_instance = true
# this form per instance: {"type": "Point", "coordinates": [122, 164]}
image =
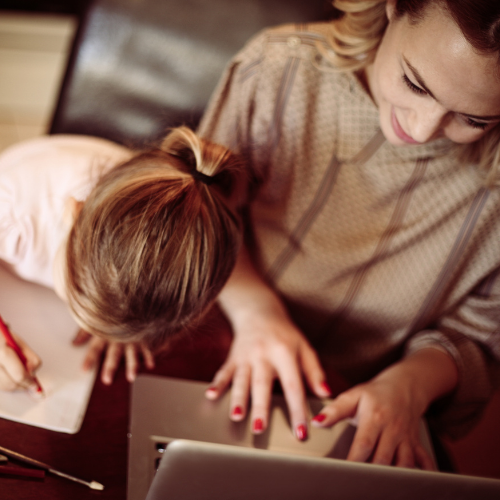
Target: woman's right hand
{"type": "Point", "coordinates": [13, 374]}
{"type": "Point", "coordinates": [266, 346]}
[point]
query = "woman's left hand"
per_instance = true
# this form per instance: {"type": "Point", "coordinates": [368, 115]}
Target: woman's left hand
{"type": "Point", "coordinates": [388, 408]}
{"type": "Point", "coordinates": [387, 423]}
{"type": "Point", "coordinates": [132, 352]}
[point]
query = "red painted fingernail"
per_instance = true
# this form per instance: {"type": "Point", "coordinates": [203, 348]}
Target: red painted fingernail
{"type": "Point", "coordinates": [237, 411]}
{"type": "Point", "coordinates": [320, 417]}
{"type": "Point", "coordinates": [326, 387]}
{"type": "Point", "coordinates": [258, 425]}
{"type": "Point", "coordinates": [212, 389]}
{"type": "Point", "coordinates": [301, 432]}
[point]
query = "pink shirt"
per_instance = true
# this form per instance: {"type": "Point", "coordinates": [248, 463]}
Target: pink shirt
{"type": "Point", "coordinates": [36, 179]}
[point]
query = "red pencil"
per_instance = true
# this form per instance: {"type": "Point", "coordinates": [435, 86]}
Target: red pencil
{"type": "Point", "coordinates": [9, 339]}
{"type": "Point", "coordinates": [20, 471]}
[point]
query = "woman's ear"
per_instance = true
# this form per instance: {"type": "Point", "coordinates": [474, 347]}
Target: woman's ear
{"type": "Point", "coordinates": [390, 9]}
{"type": "Point", "coordinates": [72, 208]}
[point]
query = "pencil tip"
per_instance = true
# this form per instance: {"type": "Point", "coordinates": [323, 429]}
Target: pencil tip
{"type": "Point", "coordinates": [96, 486]}
{"type": "Point", "coordinates": [35, 393]}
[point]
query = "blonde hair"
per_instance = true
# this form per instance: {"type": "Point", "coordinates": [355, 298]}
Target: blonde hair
{"type": "Point", "coordinates": [356, 35]}
{"type": "Point", "coordinates": [155, 241]}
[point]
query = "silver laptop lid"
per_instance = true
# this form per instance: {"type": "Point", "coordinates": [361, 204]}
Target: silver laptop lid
{"type": "Point", "coordinates": [165, 409]}
{"type": "Point", "coordinates": [192, 470]}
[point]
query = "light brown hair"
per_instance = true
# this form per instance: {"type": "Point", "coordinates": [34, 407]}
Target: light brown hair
{"type": "Point", "coordinates": [360, 25]}
{"type": "Point", "coordinates": [155, 241]}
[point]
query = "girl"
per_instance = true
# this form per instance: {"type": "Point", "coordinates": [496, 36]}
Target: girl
{"type": "Point", "coordinates": [374, 146]}
{"type": "Point", "coordinates": [138, 245]}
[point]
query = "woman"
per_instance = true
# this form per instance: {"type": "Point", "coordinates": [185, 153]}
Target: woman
{"type": "Point", "coordinates": [373, 143]}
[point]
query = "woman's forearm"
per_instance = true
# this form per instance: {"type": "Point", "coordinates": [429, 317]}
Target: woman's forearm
{"type": "Point", "coordinates": [246, 293]}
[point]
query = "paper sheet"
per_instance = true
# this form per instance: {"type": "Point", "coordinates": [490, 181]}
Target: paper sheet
{"type": "Point", "coordinates": [43, 321]}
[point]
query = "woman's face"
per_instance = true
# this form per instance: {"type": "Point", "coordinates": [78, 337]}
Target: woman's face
{"type": "Point", "coordinates": [429, 82]}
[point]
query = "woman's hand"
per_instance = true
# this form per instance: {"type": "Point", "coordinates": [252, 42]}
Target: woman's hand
{"type": "Point", "coordinates": [266, 346]}
{"type": "Point", "coordinates": [132, 352]}
{"type": "Point", "coordinates": [13, 375]}
{"type": "Point", "coordinates": [388, 409]}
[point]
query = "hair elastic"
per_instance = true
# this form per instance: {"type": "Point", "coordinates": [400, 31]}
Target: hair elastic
{"type": "Point", "coordinates": [200, 176]}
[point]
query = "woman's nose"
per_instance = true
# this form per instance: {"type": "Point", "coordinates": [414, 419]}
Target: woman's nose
{"type": "Point", "coordinates": [427, 122]}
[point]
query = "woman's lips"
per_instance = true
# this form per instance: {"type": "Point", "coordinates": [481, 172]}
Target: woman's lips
{"type": "Point", "coordinates": [399, 131]}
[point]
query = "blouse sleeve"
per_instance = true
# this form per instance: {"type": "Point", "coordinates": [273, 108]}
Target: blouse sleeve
{"type": "Point", "coordinates": [470, 334]}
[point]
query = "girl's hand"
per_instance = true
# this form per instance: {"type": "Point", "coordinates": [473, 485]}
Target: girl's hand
{"type": "Point", "coordinates": [265, 348]}
{"type": "Point", "coordinates": [388, 409]}
{"type": "Point", "coordinates": [114, 352]}
{"type": "Point", "coordinates": [13, 375]}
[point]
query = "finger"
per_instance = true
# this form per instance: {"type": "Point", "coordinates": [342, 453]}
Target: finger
{"type": "Point", "coordinates": [343, 406]}
{"type": "Point", "coordinates": [388, 447]}
{"type": "Point", "coordinates": [405, 456]}
{"type": "Point", "coordinates": [33, 361]}
{"type": "Point", "coordinates": [261, 384]}
{"type": "Point", "coordinates": [6, 381]}
{"type": "Point", "coordinates": [81, 337]}
{"type": "Point", "coordinates": [148, 357]}
{"type": "Point", "coordinates": [94, 352]}
{"type": "Point", "coordinates": [221, 381]}
{"type": "Point", "coordinates": [240, 392]}
{"type": "Point", "coordinates": [364, 442]}
{"type": "Point", "coordinates": [16, 374]}
{"type": "Point", "coordinates": [313, 372]}
{"type": "Point", "coordinates": [111, 362]}
{"type": "Point", "coordinates": [131, 362]}
{"type": "Point", "coordinates": [423, 459]}
{"type": "Point", "coordinates": [293, 389]}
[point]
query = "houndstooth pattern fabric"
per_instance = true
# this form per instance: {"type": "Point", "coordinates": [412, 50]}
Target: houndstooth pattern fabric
{"type": "Point", "coordinates": [377, 250]}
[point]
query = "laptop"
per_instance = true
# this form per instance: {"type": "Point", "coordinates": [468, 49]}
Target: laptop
{"type": "Point", "coordinates": [183, 446]}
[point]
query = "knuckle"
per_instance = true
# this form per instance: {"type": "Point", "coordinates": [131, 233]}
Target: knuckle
{"type": "Point", "coordinates": [380, 416]}
{"type": "Point", "coordinates": [261, 380]}
{"type": "Point", "coordinates": [284, 351]}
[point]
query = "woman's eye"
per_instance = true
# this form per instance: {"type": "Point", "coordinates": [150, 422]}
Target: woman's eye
{"type": "Point", "coordinates": [474, 124]}
{"type": "Point", "coordinates": [413, 87]}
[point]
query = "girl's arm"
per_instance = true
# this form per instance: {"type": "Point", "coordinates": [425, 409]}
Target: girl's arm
{"type": "Point", "coordinates": [388, 408]}
{"type": "Point", "coordinates": [266, 345]}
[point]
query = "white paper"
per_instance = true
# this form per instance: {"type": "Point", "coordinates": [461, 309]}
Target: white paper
{"type": "Point", "coordinates": [37, 315]}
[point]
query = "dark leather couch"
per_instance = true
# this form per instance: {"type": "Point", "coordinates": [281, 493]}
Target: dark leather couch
{"type": "Point", "coordinates": [138, 67]}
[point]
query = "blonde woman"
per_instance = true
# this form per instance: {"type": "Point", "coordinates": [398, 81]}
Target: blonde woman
{"type": "Point", "coordinates": [374, 145]}
{"type": "Point", "coordinates": [138, 245]}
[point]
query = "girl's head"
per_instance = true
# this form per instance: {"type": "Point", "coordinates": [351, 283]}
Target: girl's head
{"type": "Point", "coordinates": [154, 242]}
{"type": "Point", "coordinates": [432, 67]}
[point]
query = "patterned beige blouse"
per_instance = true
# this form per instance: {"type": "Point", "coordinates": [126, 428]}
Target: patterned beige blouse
{"type": "Point", "coordinates": [378, 250]}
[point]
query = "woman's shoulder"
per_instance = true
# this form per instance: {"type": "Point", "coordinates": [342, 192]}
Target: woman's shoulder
{"type": "Point", "coordinates": [309, 33]}
{"type": "Point", "coordinates": [302, 40]}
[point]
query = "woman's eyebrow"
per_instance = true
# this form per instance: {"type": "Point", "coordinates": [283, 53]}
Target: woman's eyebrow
{"type": "Point", "coordinates": [421, 82]}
